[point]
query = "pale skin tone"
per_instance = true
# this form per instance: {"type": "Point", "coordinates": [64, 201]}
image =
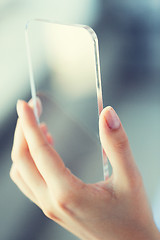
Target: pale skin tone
{"type": "Point", "coordinates": [114, 209]}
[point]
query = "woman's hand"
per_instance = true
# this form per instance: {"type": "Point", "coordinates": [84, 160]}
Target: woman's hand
{"type": "Point", "coordinates": [114, 209]}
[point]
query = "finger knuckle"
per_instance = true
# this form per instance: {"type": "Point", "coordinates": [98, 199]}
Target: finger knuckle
{"type": "Point", "coordinates": [15, 155]}
{"type": "Point", "coordinates": [69, 199]}
{"type": "Point", "coordinates": [13, 173]}
{"type": "Point", "coordinates": [67, 203]}
{"type": "Point", "coordinates": [50, 214]}
{"type": "Point", "coordinates": [122, 144]}
{"type": "Point", "coordinates": [48, 209]}
{"type": "Point", "coordinates": [18, 154]}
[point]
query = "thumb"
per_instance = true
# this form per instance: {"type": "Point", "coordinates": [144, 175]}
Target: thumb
{"type": "Point", "coordinates": [116, 146]}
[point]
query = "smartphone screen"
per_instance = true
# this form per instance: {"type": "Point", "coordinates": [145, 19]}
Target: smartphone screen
{"type": "Point", "coordinates": [65, 75]}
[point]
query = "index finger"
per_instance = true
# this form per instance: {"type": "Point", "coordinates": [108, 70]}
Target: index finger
{"type": "Point", "coordinates": [47, 160]}
{"type": "Point", "coordinates": [19, 139]}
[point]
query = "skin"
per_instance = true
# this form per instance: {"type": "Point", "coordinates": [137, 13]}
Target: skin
{"type": "Point", "coordinates": [114, 209]}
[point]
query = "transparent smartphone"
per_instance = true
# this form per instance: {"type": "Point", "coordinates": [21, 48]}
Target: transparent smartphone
{"type": "Point", "coordinates": [65, 74]}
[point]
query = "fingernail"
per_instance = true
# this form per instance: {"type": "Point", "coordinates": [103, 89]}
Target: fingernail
{"type": "Point", "coordinates": [112, 119]}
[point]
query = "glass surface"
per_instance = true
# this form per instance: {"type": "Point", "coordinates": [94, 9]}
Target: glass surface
{"type": "Point", "coordinates": [65, 74]}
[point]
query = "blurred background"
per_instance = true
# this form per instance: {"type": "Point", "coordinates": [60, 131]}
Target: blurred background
{"type": "Point", "coordinates": [128, 33]}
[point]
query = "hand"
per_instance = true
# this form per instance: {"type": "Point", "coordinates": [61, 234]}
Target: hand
{"type": "Point", "coordinates": [114, 209]}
